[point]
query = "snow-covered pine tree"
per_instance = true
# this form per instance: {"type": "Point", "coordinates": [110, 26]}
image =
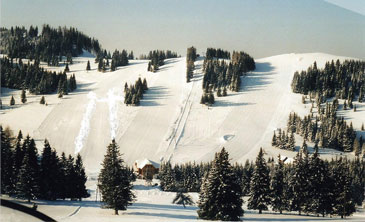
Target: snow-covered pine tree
{"type": "Point", "coordinates": [277, 187]}
{"type": "Point", "coordinates": [260, 185]}
{"type": "Point", "coordinates": [114, 183]}
{"type": "Point", "coordinates": [220, 195]}
{"type": "Point", "coordinates": [167, 178]}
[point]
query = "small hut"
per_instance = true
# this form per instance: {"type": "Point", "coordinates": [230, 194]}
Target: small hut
{"type": "Point", "coordinates": [146, 168]}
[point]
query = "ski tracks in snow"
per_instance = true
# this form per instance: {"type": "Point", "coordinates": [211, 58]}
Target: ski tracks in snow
{"type": "Point", "coordinates": [112, 99]}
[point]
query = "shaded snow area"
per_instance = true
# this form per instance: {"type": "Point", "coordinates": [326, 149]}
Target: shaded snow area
{"type": "Point", "coordinates": [151, 204]}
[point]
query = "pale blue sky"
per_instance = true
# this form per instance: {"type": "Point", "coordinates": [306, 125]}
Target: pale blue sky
{"type": "Point", "coordinates": [262, 28]}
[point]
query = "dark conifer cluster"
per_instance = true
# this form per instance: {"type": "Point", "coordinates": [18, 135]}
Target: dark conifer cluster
{"type": "Point", "coordinates": [119, 59]}
{"type": "Point", "coordinates": [207, 98]}
{"type": "Point", "coordinates": [284, 140]}
{"type": "Point", "coordinates": [157, 58]}
{"type": "Point", "coordinates": [26, 174]}
{"type": "Point", "coordinates": [50, 45]}
{"type": "Point", "coordinates": [190, 59]}
{"type": "Point", "coordinates": [308, 185]}
{"type": "Point", "coordinates": [188, 176]}
{"type": "Point", "coordinates": [325, 130]}
{"type": "Point", "coordinates": [220, 75]}
{"type": "Point", "coordinates": [344, 80]}
{"type": "Point", "coordinates": [34, 78]}
{"type": "Point", "coordinates": [134, 93]}
{"type": "Point", "coordinates": [217, 53]}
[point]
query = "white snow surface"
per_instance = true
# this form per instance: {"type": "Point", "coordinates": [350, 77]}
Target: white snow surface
{"type": "Point", "coordinates": [170, 123]}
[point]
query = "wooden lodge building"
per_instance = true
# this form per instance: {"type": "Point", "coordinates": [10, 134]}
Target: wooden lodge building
{"type": "Point", "coordinates": [145, 168]}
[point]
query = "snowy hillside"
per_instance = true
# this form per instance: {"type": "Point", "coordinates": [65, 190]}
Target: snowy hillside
{"type": "Point", "coordinates": [170, 124]}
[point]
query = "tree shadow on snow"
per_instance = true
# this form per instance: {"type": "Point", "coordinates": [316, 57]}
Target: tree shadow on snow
{"type": "Point", "coordinates": [173, 208]}
{"type": "Point", "coordinates": [226, 103]}
{"type": "Point", "coordinates": [259, 78]}
{"type": "Point", "coordinates": [153, 95]}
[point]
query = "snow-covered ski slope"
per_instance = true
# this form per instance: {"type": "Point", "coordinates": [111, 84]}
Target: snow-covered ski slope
{"type": "Point", "coordinates": [170, 123]}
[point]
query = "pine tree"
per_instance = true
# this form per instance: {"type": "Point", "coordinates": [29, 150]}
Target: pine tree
{"type": "Point", "coordinates": [70, 178]}
{"type": "Point", "coordinates": [67, 69]}
{"type": "Point", "coordinates": [27, 185]}
{"type": "Point", "coordinates": [6, 162]}
{"type": "Point", "coordinates": [260, 185]}
{"type": "Point", "coordinates": [81, 179]}
{"type": "Point", "coordinates": [277, 187]}
{"type": "Point", "coordinates": [246, 178]}
{"type": "Point", "coordinates": [88, 68]}
{"type": "Point", "coordinates": [168, 182]}
{"type": "Point", "coordinates": [114, 184]}
{"type": "Point", "coordinates": [356, 147]}
{"type": "Point", "coordinates": [319, 185]}
{"type": "Point", "coordinates": [23, 96]}
{"type": "Point", "coordinates": [12, 101]}
{"type": "Point", "coordinates": [291, 143]}
{"type": "Point", "coordinates": [49, 173]}
{"type": "Point", "coordinates": [144, 83]}
{"type": "Point", "coordinates": [183, 199]}
{"type": "Point", "coordinates": [343, 204]}
{"type": "Point", "coordinates": [299, 180]}
{"type": "Point", "coordinates": [220, 195]}
{"type": "Point", "coordinates": [274, 140]}
{"type": "Point", "coordinates": [42, 101]}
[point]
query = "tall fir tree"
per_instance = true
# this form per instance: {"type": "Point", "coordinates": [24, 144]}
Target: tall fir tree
{"type": "Point", "coordinates": [277, 187]}
{"type": "Point", "coordinates": [343, 203]}
{"type": "Point", "coordinates": [319, 185]}
{"type": "Point", "coordinates": [49, 173]}
{"type": "Point", "coordinates": [80, 187]}
{"type": "Point", "coordinates": [260, 185]}
{"type": "Point", "coordinates": [299, 180]}
{"type": "Point", "coordinates": [114, 182]}
{"type": "Point", "coordinates": [220, 196]}
{"type": "Point", "coordinates": [28, 178]}
{"type": "Point", "coordinates": [6, 162]}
